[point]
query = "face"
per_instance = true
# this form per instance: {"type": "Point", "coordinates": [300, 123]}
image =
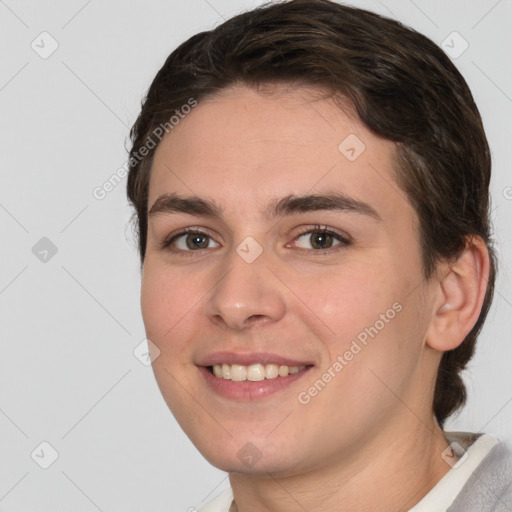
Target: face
{"type": "Point", "coordinates": [287, 325]}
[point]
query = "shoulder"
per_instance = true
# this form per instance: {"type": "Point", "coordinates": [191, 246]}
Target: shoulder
{"type": "Point", "coordinates": [489, 488]}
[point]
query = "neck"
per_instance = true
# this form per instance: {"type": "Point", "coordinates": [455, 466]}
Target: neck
{"type": "Point", "coordinates": [392, 474]}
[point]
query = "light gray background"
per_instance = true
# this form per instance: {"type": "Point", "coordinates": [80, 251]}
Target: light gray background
{"type": "Point", "coordinates": [69, 325]}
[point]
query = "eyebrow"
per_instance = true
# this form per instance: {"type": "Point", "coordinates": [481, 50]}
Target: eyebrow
{"type": "Point", "coordinates": [288, 205]}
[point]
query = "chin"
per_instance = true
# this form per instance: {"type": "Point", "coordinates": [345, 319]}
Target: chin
{"type": "Point", "coordinates": [255, 455]}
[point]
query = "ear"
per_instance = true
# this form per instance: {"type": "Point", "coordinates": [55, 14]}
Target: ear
{"type": "Point", "coordinates": [460, 294]}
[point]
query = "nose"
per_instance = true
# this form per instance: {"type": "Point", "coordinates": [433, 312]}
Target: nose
{"type": "Point", "coordinates": [245, 294]}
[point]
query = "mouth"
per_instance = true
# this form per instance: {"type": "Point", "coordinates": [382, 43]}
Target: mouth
{"type": "Point", "coordinates": [254, 372]}
{"type": "Point", "coordinates": [250, 376]}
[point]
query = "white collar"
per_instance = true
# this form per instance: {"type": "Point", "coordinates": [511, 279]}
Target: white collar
{"type": "Point", "coordinates": [471, 453]}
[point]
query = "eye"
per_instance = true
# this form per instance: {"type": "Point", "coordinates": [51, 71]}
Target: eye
{"type": "Point", "coordinates": [190, 240]}
{"type": "Point", "coordinates": [321, 238]}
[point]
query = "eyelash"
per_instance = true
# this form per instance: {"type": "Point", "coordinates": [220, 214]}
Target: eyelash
{"type": "Point", "coordinates": [344, 240]}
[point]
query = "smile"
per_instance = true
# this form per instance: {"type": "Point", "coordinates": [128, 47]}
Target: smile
{"type": "Point", "coordinates": [254, 372]}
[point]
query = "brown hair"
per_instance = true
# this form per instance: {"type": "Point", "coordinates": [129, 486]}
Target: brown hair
{"type": "Point", "coordinates": [403, 88]}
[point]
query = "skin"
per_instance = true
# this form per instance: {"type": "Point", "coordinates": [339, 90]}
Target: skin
{"type": "Point", "coordinates": [368, 440]}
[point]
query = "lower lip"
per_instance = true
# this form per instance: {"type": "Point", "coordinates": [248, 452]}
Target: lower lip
{"type": "Point", "coordinates": [248, 390]}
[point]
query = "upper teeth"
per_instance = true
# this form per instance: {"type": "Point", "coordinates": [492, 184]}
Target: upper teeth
{"type": "Point", "coordinates": [253, 372]}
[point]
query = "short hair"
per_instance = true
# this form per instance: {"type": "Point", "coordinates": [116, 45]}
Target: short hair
{"type": "Point", "coordinates": [403, 88]}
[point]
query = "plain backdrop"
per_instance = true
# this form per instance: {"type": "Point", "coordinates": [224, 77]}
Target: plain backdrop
{"type": "Point", "coordinates": [73, 394]}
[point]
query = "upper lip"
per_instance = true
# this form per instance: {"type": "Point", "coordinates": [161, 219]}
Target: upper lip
{"type": "Point", "coordinates": [248, 358]}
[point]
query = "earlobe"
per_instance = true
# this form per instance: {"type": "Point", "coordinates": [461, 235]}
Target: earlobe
{"type": "Point", "coordinates": [461, 292]}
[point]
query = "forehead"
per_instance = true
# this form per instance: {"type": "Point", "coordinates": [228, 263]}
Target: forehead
{"type": "Point", "coordinates": [243, 145]}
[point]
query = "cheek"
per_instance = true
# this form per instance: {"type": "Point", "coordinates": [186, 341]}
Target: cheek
{"type": "Point", "coordinates": [375, 322]}
{"type": "Point", "coordinates": [352, 299]}
{"type": "Point", "coordinates": [167, 300]}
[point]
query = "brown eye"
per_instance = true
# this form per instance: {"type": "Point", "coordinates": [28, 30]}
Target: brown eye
{"type": "Point", "coordinates": [190, 241]}
{"type": "Point", "coordinates": [320, 238]}
{"type": "Point", "coordinates": [196, 241]}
